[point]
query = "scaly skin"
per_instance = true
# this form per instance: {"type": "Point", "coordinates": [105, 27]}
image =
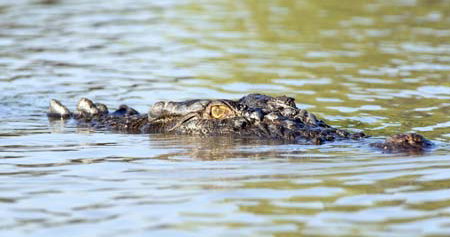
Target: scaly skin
{"type": "Point", "coordinates": [254, 115]}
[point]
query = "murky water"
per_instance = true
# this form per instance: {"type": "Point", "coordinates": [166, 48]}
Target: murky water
{"type": "Point", "coordinates": [378, 66]}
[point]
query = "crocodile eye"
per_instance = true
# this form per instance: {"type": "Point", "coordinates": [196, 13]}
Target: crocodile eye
{"type": "Point", "coordinates": [221, 111]}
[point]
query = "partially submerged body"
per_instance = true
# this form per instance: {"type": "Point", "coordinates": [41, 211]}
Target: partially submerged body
{"type": "Point", "coordinates": [254, 115]}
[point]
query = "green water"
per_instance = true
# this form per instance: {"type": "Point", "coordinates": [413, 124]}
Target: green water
{"type": "Point", "coordinates": [381, 67]}
{"type": "Point", "coordinates": [378, 59]}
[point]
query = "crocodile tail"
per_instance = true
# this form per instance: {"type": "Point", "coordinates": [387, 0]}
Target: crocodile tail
{"type": "Point", "coordinates": [410, 142]}
{"type": "Point", "coordinates": [57, 110]}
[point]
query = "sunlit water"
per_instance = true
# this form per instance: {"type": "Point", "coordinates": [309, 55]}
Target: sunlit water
{"type": "Point", "coordinates": [377, 66]}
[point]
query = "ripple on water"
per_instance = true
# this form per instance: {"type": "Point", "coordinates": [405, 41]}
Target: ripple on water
{"type": "Point", "coordinates": [353, 63]}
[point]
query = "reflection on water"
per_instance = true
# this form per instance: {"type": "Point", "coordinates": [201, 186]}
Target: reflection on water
{"type": "Point", "coordinates": [377, 66]}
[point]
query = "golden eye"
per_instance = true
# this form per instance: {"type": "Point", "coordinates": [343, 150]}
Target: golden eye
{"type": "Point", "coordinates": [220, 111]}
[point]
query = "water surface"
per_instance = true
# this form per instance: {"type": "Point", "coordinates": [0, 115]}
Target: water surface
{"type": "Point", "coordinates": [377, 66]}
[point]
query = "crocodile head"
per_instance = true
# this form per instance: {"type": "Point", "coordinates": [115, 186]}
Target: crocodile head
{"type": "Point", "coordinates": [253, 115]}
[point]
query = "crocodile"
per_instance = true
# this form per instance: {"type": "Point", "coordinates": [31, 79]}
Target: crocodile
{"type": "Point", "coordinates": [253, 116]}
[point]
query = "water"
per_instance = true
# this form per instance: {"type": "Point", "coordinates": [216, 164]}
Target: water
{"type": "Point", "coordinates": [377, 66]}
